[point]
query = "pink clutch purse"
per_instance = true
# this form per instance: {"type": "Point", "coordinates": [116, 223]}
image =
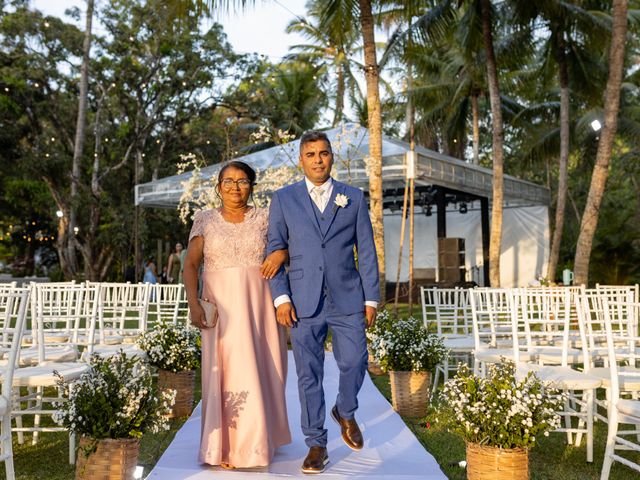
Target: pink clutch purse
{"type": "Point", "coordinates": [210, 312]}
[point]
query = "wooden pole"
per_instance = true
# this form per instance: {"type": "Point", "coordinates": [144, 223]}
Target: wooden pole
{"type": "Point", "coordinates": [412, 175]}
{"type": "Point", "coordinates": [411, 239]}
{"type": "Point", "coordinates": [402, 231]}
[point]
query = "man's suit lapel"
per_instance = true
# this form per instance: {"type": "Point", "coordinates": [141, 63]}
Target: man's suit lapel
{"type": "Point", "coordinates": [332, 208]}
{"type": "Point", "coordinates": [305, 199]}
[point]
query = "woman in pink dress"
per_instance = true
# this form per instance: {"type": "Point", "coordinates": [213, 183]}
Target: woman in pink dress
{"type": "Point", "coordinates": [244, 357]}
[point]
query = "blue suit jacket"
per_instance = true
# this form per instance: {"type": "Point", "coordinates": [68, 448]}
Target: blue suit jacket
{"type": "Point", "coordinates": [316, 255]}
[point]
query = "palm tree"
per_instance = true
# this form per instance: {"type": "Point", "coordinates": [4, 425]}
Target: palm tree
{"type": "Point", "coordinates": [605, 146]}
{"type": "Point", "coordinates": [351, 11]}
{"type": "Point", "coordinates": [567, 24]}
{"type": "Point", "coordinates": [362, 11]}
{"type": "Point", "coordinates": [498, 151]}
{"type": "Point", "coordinates": [331, 47]}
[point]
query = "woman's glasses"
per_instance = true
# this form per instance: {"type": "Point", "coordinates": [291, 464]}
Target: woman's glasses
{"type": "Point", "coordinates": [242, 184]}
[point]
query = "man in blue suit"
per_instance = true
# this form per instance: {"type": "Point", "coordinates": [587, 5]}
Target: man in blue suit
{"type": "Point", "coordinates": [320, 220]}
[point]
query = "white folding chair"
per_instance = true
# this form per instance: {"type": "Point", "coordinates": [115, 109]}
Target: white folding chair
{"type": "Point", "coordinates": [622, 410]}
{"type": "Point", "coordinates": [14, 303]}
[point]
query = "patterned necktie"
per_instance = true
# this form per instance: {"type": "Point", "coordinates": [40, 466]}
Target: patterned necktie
{"type": "Point", "coordinates": [317, 193]}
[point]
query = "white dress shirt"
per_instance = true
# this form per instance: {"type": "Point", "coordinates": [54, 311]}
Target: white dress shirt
{"type": "Point", "coordinates": [326, 188]}
{"type": "Point", "coordinates": [321, 203]}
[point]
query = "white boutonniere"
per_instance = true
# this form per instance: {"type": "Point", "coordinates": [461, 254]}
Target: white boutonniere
{"type": "Point", "coordinates": [341, 200]}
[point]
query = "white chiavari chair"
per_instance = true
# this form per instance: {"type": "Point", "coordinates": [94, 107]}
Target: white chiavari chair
{"type": "Point", "coordinates": [491, 314]}
{"type": "Point", "coordinates": [122, 311]}
{"type": "Point", "coordinates": [546, 328]}
{"type": "Point", "coordinates": [14, 305]}
{"type": "Point", "coordinates": [622, 409]}
{"type": "Point", "coordinates": [539, 314]}
{"type": "Point", "coordinates": [622, 316]}
{"type": "Point", "coordinates": [451, 322]}
{"type": "Point", "coordinates": [52, 329]}
{"type": "Point", "coordinates": [121, 316]}
{"type": "Point", "coordinates": [59, 309]}
{"type": "Point", "coordinates": [169, 302]}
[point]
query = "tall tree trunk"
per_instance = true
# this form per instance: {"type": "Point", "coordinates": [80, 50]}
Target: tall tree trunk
{"type": "Point", "coordinates": [375, 135]}
{"type": "Point", "coordinates": [564, 155]}
{"type": "Point", "coordinates": [476, 128]}
{"type": "Point", "coordinates": [605, 146]}
{"type": "Point", "coordinates": [498, 162]}
{"type": "Point", "coordinates": [340, 89]}
{"type": "Point", "coordinates": [79, 142]}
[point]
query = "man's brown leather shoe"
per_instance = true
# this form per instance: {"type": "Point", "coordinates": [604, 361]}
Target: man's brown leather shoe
{"type": "Point", "coordinates": [351, 433]}
{"type": "Point", "coordinates": [316, 460]}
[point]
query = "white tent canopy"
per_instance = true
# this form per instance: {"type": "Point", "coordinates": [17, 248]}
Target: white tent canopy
{"type": "Point", "coordinates": [525, 225]}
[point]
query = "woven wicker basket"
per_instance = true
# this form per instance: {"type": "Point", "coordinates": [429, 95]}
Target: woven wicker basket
{"type": "Point", "coordinates": [410, 392]}
{"type": "Point", "coordinates": [184, 384]}
{"type": "Point", "coordinates": [374, 367]}
{"type": "Point", "coordinates": [113, 459]}
{"type": "Point", "coordinates": [494, 463]}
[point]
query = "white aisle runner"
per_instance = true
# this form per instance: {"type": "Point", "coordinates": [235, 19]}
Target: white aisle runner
{"type": "Point", "coordinates": [390, 450]}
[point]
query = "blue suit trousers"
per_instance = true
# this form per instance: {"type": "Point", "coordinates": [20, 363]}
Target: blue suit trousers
{"type": "Point", "coordinates": [349, 344]}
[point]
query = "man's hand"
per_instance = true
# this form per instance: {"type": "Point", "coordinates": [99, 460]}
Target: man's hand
{"type": "Point", "coordinates": [286, 314]}
{"type": "Point", "coordinates": [370, 315]}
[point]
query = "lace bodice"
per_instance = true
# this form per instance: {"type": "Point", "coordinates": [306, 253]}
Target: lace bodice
{"type": "Point", "coordinates": [229, 245]}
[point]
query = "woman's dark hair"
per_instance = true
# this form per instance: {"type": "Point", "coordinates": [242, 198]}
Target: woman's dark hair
{"type": "Point", "coordinates": [250, 172]}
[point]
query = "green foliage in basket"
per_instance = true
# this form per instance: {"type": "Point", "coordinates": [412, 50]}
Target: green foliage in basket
{"type": "Point", "coordinates": [404, 344]}
{"type": "Point", "coordinates": [173, 347]}
{"type": "Point", "coordinates": [500, 410]}
{"type": "Point", "coordinates": [114, 399]}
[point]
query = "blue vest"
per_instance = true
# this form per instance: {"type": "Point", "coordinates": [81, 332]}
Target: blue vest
{"type": "Point", "coordinates": [323, 218]}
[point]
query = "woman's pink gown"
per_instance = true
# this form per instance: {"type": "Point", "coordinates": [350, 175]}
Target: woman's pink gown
{"type": "Point", "coordinates": [244, 358]}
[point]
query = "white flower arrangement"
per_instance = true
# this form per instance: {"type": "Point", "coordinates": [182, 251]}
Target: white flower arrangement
{"type": "Point", "coordinates": [500, 410]}
{"type": "Point", "coordinates": [115, 399]}
{"type": "Point", "coordinates": [341, 200]}
{"type": "Point", "coordinates": [173, 347]}
{"type": "Point", "coordinates": [404, 344]}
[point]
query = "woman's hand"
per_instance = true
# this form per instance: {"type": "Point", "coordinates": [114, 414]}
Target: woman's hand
{"type": "Point", "coordinates": [196, 315]}
{"type": "Point", "coordinates": [273, 262]}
